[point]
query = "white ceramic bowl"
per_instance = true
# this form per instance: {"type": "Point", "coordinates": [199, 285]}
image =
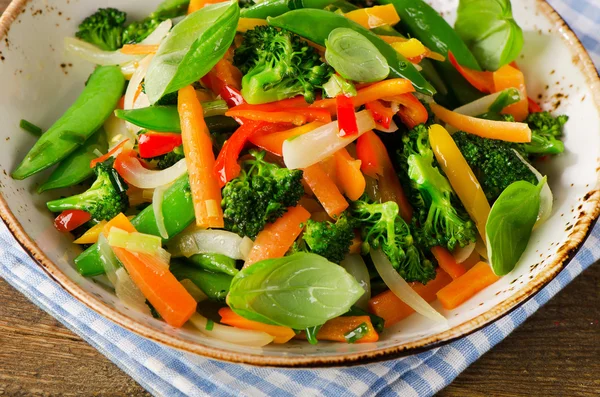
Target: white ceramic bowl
{"type": "Point", "coordinates": [38, 81]}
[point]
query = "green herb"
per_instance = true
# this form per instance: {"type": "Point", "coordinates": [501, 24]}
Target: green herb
{"type": "Point", "coordinates": [378, 322]}
{"type": "Point", "coordinates": [153, 310]}
{"type": "Point", "coordinates": [338, 85]}
{"type": "Point", "coordinates": [489, 30]}
{"type": "Point", "coordinates": [210, 324]}
{"type": "Point", "coordinates": [297, 291]}
{"type": "Point", "coordinates": [354, 57]}
{"type": "Point", "coordinates": [192, 48]}
{"type": "Point", "coordinates": [311, 334]}
{"type": "Point", "coordinates": [30, 127]}
{"type": "Point", "coordinates": [510, 223]}
{"type": "Point", "coordinates": [357, 333]}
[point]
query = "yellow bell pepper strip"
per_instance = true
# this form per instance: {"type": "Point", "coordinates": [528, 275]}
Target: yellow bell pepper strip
{"type": "Point", "coordinates": [466, 286]}
{"type": "Point", "coordinates": [246, 24]}
{"type": "Point", "coordinates": [92, 234]}
{"type": "Point", "coordinates": [280, 333]}
{"type": "Point", "coordinates": [412, 49]}
{"type": "Point", "coordinates": [273, 142]}
{"type": "Point", "coordinates": [195, 5]}
{"type": "Point", "coordinates": [269, 117]}
{"type": "Point", "coordinates": [349, 178]}
{"type": "Point", "coordinates": [325, 190]}
{"type": "Point", "coordinates": [373, 17]}
{"type": "Point", "coordinates": [460, 175]}
{"type": "Point", "coordinates": [491, 129]}
{"type": "Point", "coordinates": [139, 49]}
{"type": "Point", "coordinates": [200, 160]}
{"type": "Point", "coordinates": [510, 77]}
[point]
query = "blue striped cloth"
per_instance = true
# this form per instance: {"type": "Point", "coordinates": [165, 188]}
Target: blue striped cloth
{"type": "Point", "coordinates": [167, 372]}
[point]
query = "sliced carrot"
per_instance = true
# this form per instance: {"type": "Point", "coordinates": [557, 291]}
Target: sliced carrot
{"type": "Point", "coordinates": [389, 307]}
{"type": "Point", "coordinates": [328, 165]}
{"type": "Point", "coordinates": [92, 234]}
{"type": "Point", "coordinates": [273, 142]}
{"type": "Point", "coordinates": [280, 333]}
{"type": "Point", "coordinates": [270, 117]}
{"type": "Point", "coordinates": [336, 329]}
{"type": "Point", "coordinates": [447, 262]}
{"type": "Point", "coordinates": [492, 129]}
{"type": "Point", "coordinates": [373, 17]}
{"type": "Point", "coordinates": [195, 5]}
{"type": "Point", "coordinates": [349, 178]}
{"type": "Point", "coordinates": [483, 81]}
{"type": "Point", "coordinates": [200, 160]}
{"type": "Point", "coordinates": [510, 77]}
{"type": "Point", "coordinates": [325, 190]}
{"type": "Point", "coordinates": [466, 286]}
{"type": "Point", "coordinates": [139, 49]}
{"type": "Point", "coordinates": [277, 237]}
{"type": "Point", "coordinates": [109, 154]}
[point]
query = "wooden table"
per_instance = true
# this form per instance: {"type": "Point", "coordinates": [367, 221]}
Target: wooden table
{"type": "Point", "coordinates": [555, 353]}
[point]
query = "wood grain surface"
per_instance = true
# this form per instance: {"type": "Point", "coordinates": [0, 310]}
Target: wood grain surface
{"type": "Point", "coordinates": [555, 353]}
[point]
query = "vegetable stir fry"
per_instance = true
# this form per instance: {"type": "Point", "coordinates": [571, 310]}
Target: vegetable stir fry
{"type": "Point", "coordinates": [319, 169]}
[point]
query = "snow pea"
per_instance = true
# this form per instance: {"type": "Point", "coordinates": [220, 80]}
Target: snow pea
{"type": "Point", "coordinates": [316, 25]}
{"type": "Point", "coordinates": [166, 119]}
{"type": "Point", "coordinates": [216, 263]}
{"type": "Point", "coordinates": [75, 168]}
{"type": "Point", "coordinates": [171, 9]}
{"type": "Point", "coordinates": [274, 8]}
{"type": "Point", "coordinates": [422, 22]}
{"type": "Point", "coordinates": [94, 105]}
{"type": "Point", "coordinates": [214, 285]}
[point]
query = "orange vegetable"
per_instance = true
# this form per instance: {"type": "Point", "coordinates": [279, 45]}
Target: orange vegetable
{"type": "Point", "coordinates": [336, 328]}
{"type": "Point", "coordinates": [502, 130]}
{"type": "Point", "coordinates": [273, 142]}
{"type": "Point", "coordinates": [195, 5]}
{"type": "Point", "coordinates": [246, 24]}
{"type": "Point", "coordinates": [92, 234]}
{"type": "Point", "coordinates": [325, 190]}
{"type": "Point", "coordinates": [277, 237]}
{"type": "Point", "coordinates": [200, 160]}
{"type": "Point", "coordinates": [310, 204]}
{"type": "Point", "coordinates": [466, 286]}
{"type": "Point", "coordinates": [280, 333]}
{"type": "Point", "coordinates": [356, 246]}
{"type": "Point", "coordinates": [373, 17]}
{"type": "Point", "coordinates": [472, 260]}
{"type": "Point", "coordinates": [389, 307]}
{"type": "Point", "coordinates": [229, 74]}
{"type": "Point", "coordinates": [483, 81]}
{"type": "Point", "coordinates": [447, 262]}
{"type": "Point", "coordinates": [412, 112]}
{"type": "Point", "coordinates": [121, 222]}
{"type": "Point", "coordinates": [510, 77]}
{"type": "Point", "coordinates": [109, 154]}
{"type": "Point", "coordinates": [349, 178]}
{"type": "Point", "coordinates": [270, 117]}
{"type": "Point", "coordinates": [139, 49]}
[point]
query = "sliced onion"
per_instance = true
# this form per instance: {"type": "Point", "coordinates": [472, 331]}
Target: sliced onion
{"type": "Point", "coordinates": [355, 265]}
{"type": "Point", "coordinates": [234, 335]}
{"type": "Point", "coordinates": [164, 257]}
{"type": "Point", "coordinates": [246, 246]}
{"type": "Point", "coordinates": [116, 131]}
{"type": "Point", "coordinates": [135, 174]}
{"type": "Point", "coordinates": [401, 289]}
{"type": "Point", "coordinates": [108, 259]}
{"type": "Point", "coordinates": [461, 254]}
{"type": "Point", "coordinates": [157, 201]}
{"type": "Point", "coordinates": [93, 54]}
{"type": "Point", "coordinates": [132, 88]}
{"type": "Point", "coordinates": [546, 197]}
{"type": "Point", "coordinates": [129, 293]}
{"type": "Point", "coordinates": [193, 289]}
{"type": "Point", "coordinates": [481, 248]}
{"type": "Point", "coordinates": [322, 142]}
{"type": "Point", "coordinates": [159, 33]}
{"type": "Point", "coordinates": [207, 241]}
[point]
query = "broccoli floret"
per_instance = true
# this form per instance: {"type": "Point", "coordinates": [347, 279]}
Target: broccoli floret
{"type": "Point", "coordinates": [105, 199]}
{"type": "Point", "coordinates": [277, 64]}
{"type": "Point", "coordinates": [260, 194]}
{"type": "Point", "coordinates": [441, 219]}
{"type": "Point", "coordinates": [546, 134]}
{"type": "Point", "coordinates": [169, 159]}
{"type": "Point", "coordinates": [104, 29]}
{"type": "Point", "coordinates": [139, 30]}
{"type": "Point", "coordinates": [331, 240]}
{"type": "Point", "coordinates": [383, 228]}
{"type": "Point", "coordinates": [495, 163]}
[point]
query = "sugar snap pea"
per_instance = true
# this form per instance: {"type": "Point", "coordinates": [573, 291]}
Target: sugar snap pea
{"type": "Point", "coordinates": [273, 8]}
{"type": "Point", "coordinates": [214, 285]}
{"type": "Point", "coordinates": [216, 263]}
{"type": "Point", "coordinates": [95, 103]}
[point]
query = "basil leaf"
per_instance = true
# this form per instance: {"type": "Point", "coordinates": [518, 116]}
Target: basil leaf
{"type": "Point", "coordinates": [357, 333]}
{"type": "Point", "coordinates": [490, 32]}
{"type": "Point", "coordinates": [354, 57]}
{"type": "Point", "coordinates": [510, 223]}
{"type": "Point", "coordinates": [192, 48]}
{"type": "Point", "coordinates": [297, 291]}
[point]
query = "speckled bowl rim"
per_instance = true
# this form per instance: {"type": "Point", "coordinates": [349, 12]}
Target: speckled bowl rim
{"type": "Point", "coordinates": [576, 239]}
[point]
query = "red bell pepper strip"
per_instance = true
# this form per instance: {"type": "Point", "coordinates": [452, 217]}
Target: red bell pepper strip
{"type": "Point", "coordinates": [346, 117]}
{"type": "Point", "coordinates": [483, 81]}
{"type": "Point", "coordinates": [533, 106]}
{"type": "Point", "coordinates": [152, 144]}
{"type": "Point", "coordinates": [71, 219]}
{"type": "Point", "coordinates": [382, 114]}
{"type": "Point", "coordinates": [224, 79]}
{"type": "Point", "coordinates": [412, 112]}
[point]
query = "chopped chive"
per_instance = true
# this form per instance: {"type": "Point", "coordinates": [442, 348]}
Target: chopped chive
{"type": "Point", "coordinates": [30, 127]}
{"type": "Point", "coordinates": [210, 324]}
{"type": "Point", "coordinates": [377, 321]}
{"type": "Point", "coordinates": [311, 334]}
{"type": "Point", "coordinates": [357, 333]}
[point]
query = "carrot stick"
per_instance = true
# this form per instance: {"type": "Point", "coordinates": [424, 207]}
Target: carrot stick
{"type": "Point", "coordinates": [466, 286]}
{"type": "Point", "coordinates": [389, 307]}
{"type": "Point", "coordinates": [510, 77]}
{"type": "Point", "coordinates": [277, 237]}
{"type": "Point", "coordinates": [447, 262]}
{"type": "Point", "coordinates": [200, 160]}
{"type": "Point", "coordinates": [273, 142]}
{"type": "Point", "coordinates": [492, 129]}
{"type": "Point", "coordinates": [336, 329]}
{"type": "Point", "coordinates": [270, 117]}
{"type": "Point", "coordinates": [280, 333]}
{"type": "Point", "coordinates": [350, 180]}
{"type": "Point", "coordinates": [139, 49]}
{"type": "Point", "coordinates": [325, 190]}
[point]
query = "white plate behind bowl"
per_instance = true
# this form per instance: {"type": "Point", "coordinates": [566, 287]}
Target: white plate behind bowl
{"type": "Point", "coordinates": [38, 82]}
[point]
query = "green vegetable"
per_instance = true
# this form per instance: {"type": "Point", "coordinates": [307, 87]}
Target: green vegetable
{"type": "Point", "coordinates": [378, 322]}
{"type": "Point", "coordinates": [357, 333]}
{"type": "Point", "coordinates": [315, 25]}
{"type": "Point", "coordinates": [192, 48]}
{"type": "Point", "coordinates": [510, 223]}
{"type": "Point", "coordinates": [296, 291]}
{"type": "Point", "coordinates": [75, 168]}
{"type": "Point", "coordinates": [210, 324]}
{"type": "Point", "coordinates": [383, 228]}
{"type": "Point", "coordinates": [155, 118]}
{"type": "Point", "coordinates": [274, 8]}
{"type": "Point", "coordinates": [214, 285]}
{"type": "Point", "coordinates": [168, 160]}
{"type": "Point", "coordinates": [137, 31]}
{"type": "Point", "coordinates": [30, 127]}
{"type": "Point", "coordinates": [171, 9]}
{"type": "Point", "coordinates": [442, 220]}
{"type": "Point", "coordinates": [218, 107]}
{"type": "Point", "coordinates": [354, 57]}
{"type": "Point", "coordinates": [494, 163]}
{"type": "Point", "coordinates": [489, 30]}
{"type": "Point", "coordinates": [337, 85]}
{"type": "Point", "coordinates": [260, 194]}
{"type": "Point", "coordinates": [104, 29]}
{"type": "Point", "coordinates": [331, 240]}
{"type": "Point", "coordinates": [546, 134]}
{"type": "Point", "coordinates": [276, 65]}
{"type": "Point", "coordinates": [215, 263]}
{"type": "Point", "coordinates": [311, 334]}
{"type": "Point", "coordinates": [98, 99]}
{"type": "Point", "coordinates": [506, 98]}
